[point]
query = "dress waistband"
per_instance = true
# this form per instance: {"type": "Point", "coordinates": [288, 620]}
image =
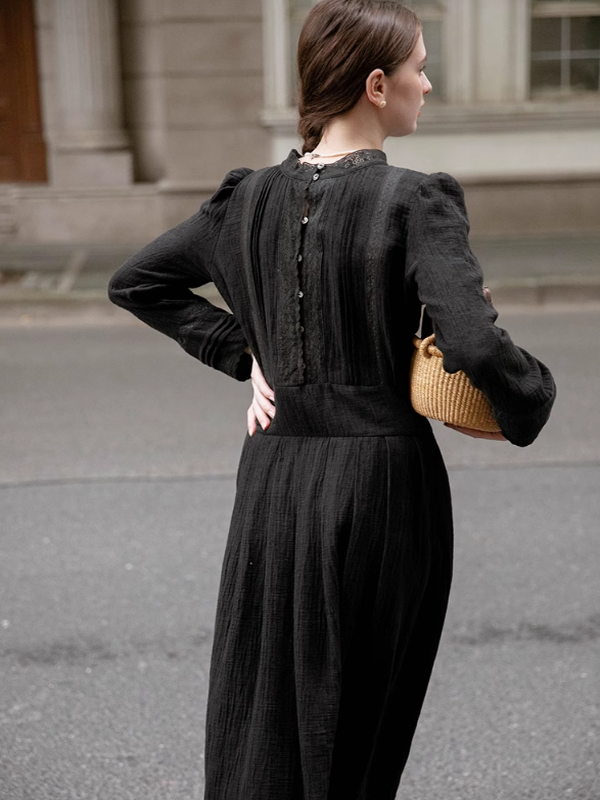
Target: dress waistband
{"type": "Point", "coordinates": [330, 409]}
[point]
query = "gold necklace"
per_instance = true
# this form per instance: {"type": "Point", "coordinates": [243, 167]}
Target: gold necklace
{"type": "Point", "coordinates": [328, 155]}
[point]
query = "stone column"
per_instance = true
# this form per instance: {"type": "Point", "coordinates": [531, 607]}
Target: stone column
{"type": "Point", "coordinates": [90, 147]}
{"type": "Point", "coordinates": [501, 33]}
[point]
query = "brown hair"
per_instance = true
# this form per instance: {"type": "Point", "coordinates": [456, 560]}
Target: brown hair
{"type": "Point", "coordinates": [341, 43]}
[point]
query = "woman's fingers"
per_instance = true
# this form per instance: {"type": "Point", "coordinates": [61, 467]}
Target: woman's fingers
{"type": "Point", "coordinates": [255, 415]}
{"type": "Point", "coordinates": [495, 436]}
{"type": "Point", "coordinates": [263, 394]}
{"type": "Point", "coordinates": [266, 405]}
{"type": "Point", "coordinates": [261, 409]}
{"type": "Point", "coordinates": [251, 421]}
{"type": "Point", "coordinates": [258, 379]}
{"type": "Point", "coordinates": [262, 417]}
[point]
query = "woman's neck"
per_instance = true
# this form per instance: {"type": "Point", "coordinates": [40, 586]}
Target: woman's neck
{"type": "Point", "coordinates": [345, 134]}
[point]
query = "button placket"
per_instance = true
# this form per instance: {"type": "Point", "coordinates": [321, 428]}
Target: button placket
{"type": "Point", "coordinates": [300, 293]}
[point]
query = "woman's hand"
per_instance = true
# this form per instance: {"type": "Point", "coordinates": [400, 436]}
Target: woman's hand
{"type": "Point", "coordinates": [492, 435]}
{"type": "Point", "coordinates": [261, 409]}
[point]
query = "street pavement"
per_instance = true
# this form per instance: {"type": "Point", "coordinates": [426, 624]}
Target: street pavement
{"type": "Point", "coordinates": [117, 477]}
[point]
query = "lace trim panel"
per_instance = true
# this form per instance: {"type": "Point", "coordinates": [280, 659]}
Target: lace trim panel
{"type": "Point", "coordinates": [351, 160]}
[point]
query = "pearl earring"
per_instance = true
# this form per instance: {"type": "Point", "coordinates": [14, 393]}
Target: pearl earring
{"type": "Point", "coordinates": [382, 104]}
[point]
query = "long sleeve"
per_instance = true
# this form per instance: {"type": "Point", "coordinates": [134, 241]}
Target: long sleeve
{"type": "Point", "coordinates": [449, 280]}
{"type": "Point", "coordinates": [154, 285]}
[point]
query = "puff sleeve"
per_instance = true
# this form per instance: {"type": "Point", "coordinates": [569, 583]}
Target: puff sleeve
{"type": "Point", "coordinates": [447, 277]}
{"type": "Point", "coordinates": [154, 285]}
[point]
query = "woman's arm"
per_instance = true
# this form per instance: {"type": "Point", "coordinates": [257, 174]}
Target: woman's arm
{"type": "Point", "coordinates": [449, 280]}
{"type": "Point", "coordinates": [155, 284]}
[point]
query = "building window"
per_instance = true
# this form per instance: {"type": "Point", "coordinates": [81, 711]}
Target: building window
{"type": "Point", "coordinates": [430, 13]}
{"type": "Point", "coordinates": [565, 48]}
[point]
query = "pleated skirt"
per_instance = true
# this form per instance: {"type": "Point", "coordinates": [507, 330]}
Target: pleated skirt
{"type": "Point", "coordinates": [333, 593]}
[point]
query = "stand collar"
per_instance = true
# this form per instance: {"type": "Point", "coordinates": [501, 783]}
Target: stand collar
{"type": "Point", "coordinates": [343, 166]}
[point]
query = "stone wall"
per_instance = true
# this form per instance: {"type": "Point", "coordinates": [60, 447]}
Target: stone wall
{"type": "Point", "coordinates": [193, 88]}
{"type": "Point", "coordinates": [193, 79]}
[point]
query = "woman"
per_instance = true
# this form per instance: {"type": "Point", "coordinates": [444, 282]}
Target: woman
{"type": "Point", "coordinates": [338, 564]}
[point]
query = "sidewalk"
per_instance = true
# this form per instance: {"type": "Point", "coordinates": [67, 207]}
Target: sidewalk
{"type": "Point", "coordinates": [541, 270]}
{"type": "Point", "coordinates": [524, 270]}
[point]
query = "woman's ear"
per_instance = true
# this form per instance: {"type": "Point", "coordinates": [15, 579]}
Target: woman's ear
{"type": "Point", "coordinates": [375, 86]}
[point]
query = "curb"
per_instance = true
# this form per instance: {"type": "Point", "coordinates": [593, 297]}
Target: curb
{"type": "Point", "coordinates": [97, 297]}
{"type": "Point", "coordinates": [557, 290]}
{"type": "Point", "coordinates": [27, 307]}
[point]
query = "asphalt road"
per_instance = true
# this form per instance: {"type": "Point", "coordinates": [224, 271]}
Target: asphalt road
{"type": "Point", "coordinates": [117, 462]}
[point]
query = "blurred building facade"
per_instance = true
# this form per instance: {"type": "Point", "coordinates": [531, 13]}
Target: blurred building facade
{"type": "Point", "coordinates": [118, 117]}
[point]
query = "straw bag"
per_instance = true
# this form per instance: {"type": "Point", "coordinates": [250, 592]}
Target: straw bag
{"type": "Point", "coordinates": [449, 397]}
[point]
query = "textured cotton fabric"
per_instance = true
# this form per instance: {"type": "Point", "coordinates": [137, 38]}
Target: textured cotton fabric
{"type": "Point", "coordinates": [338, 564]}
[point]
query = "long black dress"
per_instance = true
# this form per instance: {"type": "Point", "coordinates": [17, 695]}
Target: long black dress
{"type": "Point", "coordinates": [338, 564]}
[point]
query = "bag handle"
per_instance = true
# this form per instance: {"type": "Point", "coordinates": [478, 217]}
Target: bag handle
{"type": "Point", "coordinates": [427, 324]}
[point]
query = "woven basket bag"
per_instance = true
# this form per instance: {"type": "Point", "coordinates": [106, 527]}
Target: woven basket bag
{"type": "Point", "coordinates": [449, 397]}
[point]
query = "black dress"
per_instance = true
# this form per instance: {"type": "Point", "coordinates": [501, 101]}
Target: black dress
{"type": "Point", "coordinates": [338, 564]}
